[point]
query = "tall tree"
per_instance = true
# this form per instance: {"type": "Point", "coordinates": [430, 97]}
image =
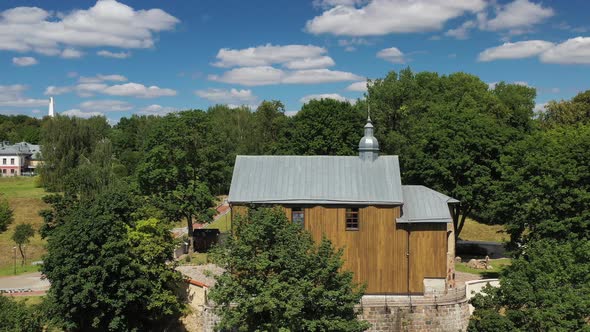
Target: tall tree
{"type": "Point", "coordinates": [324, 127]}
{"type": "Point", "coordinates": [567, 112]}
{"type": "Point", "coordinates": [277, 279]}
{"type": "Point", "coordinates": [109, 272]}
{"type": "Point", "coordinates": [22, 235]}
{"type": "Point", "coordinates": [65, 142]}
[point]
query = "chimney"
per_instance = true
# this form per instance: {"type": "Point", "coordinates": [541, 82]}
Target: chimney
{"type": "Point", "coordinates": [51, 111]}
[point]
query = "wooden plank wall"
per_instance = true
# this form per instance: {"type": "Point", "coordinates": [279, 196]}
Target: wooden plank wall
{"type": "Point", "coordinates": [376, 253]}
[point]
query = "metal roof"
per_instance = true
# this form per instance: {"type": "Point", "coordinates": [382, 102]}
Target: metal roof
{"type": "Point", "coordinates": [316, 180]}
{"type": "Point", "coordinates": [18, 148]}
{"type": "Point", "coordinates": [422, 204]}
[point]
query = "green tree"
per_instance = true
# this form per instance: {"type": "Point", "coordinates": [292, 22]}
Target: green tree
{"type": "Point", "coordinates": [18, 317]}
{"type": "Point", "coordinates": [65, 143]}
{"type": "Point", "coordinates": [277, 279]}
{"type": "Point", "coordinates": [22, 235]}
{"type": "Point", "coordinates": [547, 288]}
{"type": "Point", "coordinates": [324, 127]}
{"type": "Point", "coordinates": [109, 272]}
{"type": "Point", "coordinates": [567, 112]}
{"type": "Point", "coordinates": [544, 191]}
{"type": "Point", "coordinates": [6, 214]}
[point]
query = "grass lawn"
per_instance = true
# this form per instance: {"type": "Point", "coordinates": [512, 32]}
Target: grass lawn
{"type": "Point", "coordinates": [25, 200]}
{"type": "Point", "coordinates": [223, 223]}
{"type": "Point", "coordinates": [475, 231]}
{"type": "Point", "coordinates": [8, 270]}
{"type": "Point", "coordinates": [29, 300]}
{"type": "Point", "coordinates": [497, 264]}
{"type": "Point", "coordinates": [196, 258]}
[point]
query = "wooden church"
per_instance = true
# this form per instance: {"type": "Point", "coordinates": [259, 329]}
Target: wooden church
{"type": "Point", "coordinates": [398, 239]}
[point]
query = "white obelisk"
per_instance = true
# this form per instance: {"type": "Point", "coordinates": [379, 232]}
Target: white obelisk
{"type": "Point", "coordinates": [51, 112]}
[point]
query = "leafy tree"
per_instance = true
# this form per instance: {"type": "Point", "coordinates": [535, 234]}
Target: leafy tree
{"type": "Point", "coordinates": [276, 279]}
{"type": "Point", "coordinates": [22, 235]}
{"type": "Point", "coordinates": [66, 141]}
{"type": "Point", "coordinates": [456, 152]}
{"type": "Point", "coordinates": [544, 190]}
{"type": "Point", "coordinates": [6, 214]}
{"type": "Point", "coordinates": [109, 272]}
{"type": "Point", "coordinates": [269, 123]}
{"type": "Point", "coordinates": [567, 112]}
{"type": "Point", "coordinates": [18, 317]}
{"type": "Point", "coordinates": [324, 127]}
{"type": "Point", "coordinates": [547, 288]}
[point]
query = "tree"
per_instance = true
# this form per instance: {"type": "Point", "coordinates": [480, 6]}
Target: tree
{"type": "Point", "coordinates": [18, 317]}
{"type": "Point", "coordinates": [567, 112]}
{"type": "Point", "coordinates": [324, 127]}
{"type": "Point", "coordinates": [544, 190]}
{"type": "Point", "coordinates": [109, 272]}
{"type": "Point", "coordinates": [456, 152]}
{"type": "Point", "coordinates": [65, 142]}
{"type": "Point", "coordinates": [276, 279]}
{"type": "Point", "coordinates": [22, 235]}
{"type": "Point", "coordinates": [6, 214]}
{"type": "Point", "coordinates": [547, 288]}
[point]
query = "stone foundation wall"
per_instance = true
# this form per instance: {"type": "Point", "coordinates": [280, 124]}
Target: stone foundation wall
{"type": "Point", "coordinates": [444, 317]}
{"type": "Point", "coordinates": [452, 317]}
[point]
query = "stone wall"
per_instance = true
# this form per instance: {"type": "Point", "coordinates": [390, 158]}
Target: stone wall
{"type": "Point", "coordinates": [450, 317]}
{"type": "Point", "coordinates": [397, 315]}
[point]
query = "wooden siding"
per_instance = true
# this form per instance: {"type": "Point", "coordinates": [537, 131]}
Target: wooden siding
{"type": "Point", "coordinates": [376, 252]}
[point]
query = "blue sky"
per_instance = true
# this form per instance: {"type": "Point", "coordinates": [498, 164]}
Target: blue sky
{"type": "Point", "coordinates": [152, 57]}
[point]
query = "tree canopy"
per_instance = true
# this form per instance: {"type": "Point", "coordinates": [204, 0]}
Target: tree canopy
{"type": "Point", "coordinates": [277, 279]}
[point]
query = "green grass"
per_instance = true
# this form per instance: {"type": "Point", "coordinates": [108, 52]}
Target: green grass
{"type": "Point", "coordinates": [196, 258]}
{"type": "Point", "coordinates": [497, 264]}
{"type": "Point", "coordinates": [29, 300]}
{"type": "Point", "coordinates": [25, 199]}
{"type": "Point", "coordinates": [475, 231]}
{"type": "Point", "coordinates": [9, 270]}
{"type": "Point", "coordinates": [223, 223]}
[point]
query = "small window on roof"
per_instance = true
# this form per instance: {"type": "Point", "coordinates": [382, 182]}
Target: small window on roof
{"type": "Point", "coordinates": [352, 219]}
{"type": "Point", "coordinates": [298, 216]}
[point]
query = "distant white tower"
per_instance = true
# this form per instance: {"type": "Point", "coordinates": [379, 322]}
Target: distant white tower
{"type": "Point", "coordinates": [51, 111]}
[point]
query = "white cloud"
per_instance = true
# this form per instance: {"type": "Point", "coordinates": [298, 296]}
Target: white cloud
{"type": "Point", "coordinates": [351, 44]}
{"type": "Point", "coordinates": [518, 50]}
{"type": "Point", "coordinates": [516, 14]}
{"type": "Point", "coordinates": [266, 75]}
{"type": "Point", "coordinates": [81, 114]}
{"type": "Point", "coordinates": [251, 76]}
{"type": "Point", "coordinates": [267, 55]}
{"type": "Point", "coordinates": [155, 109]}
{"type": "Point", "coordinates": [106, 105]}
{"type": "Point", "coordinates": [462, 32]}
{"type": "Point", "coordinates": [57, 90]}
{"type": "Point", "coordinates": [101, 78]}
{"type": "Point", "coordinates": [312, 76]}
{"type": "Point", "coordinates": [334, 96]}
{"type": "Point", "coordinates": [107, 24]}
{"type": "Point", "coordinates": [309, 63]}
{"type": "Point", "coordinates": [572, 51]}
{"type": "Point", "coordinates": [24, 61]}
{"type": "Point", "coordinates": [392, 54]}
{"type": "Point", "coordinates": [539, 108]}
{"type": "Point", "coordinates": [70, 53]}
{"type": "Point", "coordinates": [12, 96]}
{"type": "Point", "coordinates": [138, 90]}
{"type": "Point", "coordinates": [381, 17]}
{"type": "Point", "coordinates": [358, 86]}
{"type": "Point", "coordinates": [89, 86]}
{"type": "Point", "coordinates": [116, 55]}
{"type": "Point", "coordinates": [232, 96]}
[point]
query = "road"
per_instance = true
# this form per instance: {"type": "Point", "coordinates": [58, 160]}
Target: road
{"type": "Point", "coordinates": [24, 284]}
